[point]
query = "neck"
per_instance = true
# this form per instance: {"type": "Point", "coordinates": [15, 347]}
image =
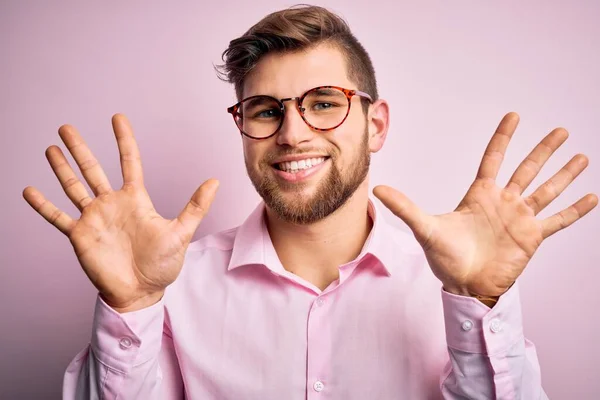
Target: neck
{"type": "Point", "coordinates": [315, 252]}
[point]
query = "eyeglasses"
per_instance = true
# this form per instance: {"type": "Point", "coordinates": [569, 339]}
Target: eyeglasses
{"type": "Point", "coordinates": [322, 108]}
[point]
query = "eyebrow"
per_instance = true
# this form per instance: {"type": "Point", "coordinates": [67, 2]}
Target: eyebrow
{"type": "Point", "coordinates": [261, 99]}
{"type": "Point", "coordinates": [257, 101]}
{"type": "Point", "coordinates": [326, 91]}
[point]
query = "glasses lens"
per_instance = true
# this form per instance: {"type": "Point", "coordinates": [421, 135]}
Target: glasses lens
{"type": "Point", "coordinates": [325, 108]}
{"type": "Point", "coordinates": [259, 116]}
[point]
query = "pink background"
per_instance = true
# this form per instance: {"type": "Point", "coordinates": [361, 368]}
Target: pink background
{"type": "Point", "coordinates": [450, 70]}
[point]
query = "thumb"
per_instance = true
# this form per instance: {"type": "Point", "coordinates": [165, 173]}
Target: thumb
{"type": "Point", "coordinates": [406, 210]}
{"type": "Point", "coordinates": [195, 210]}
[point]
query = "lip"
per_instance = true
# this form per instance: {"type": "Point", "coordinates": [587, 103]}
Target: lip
{"type": "Point", "coordinates": [298, 157]}
{"type": "Point", "coordinates": [301, 175]}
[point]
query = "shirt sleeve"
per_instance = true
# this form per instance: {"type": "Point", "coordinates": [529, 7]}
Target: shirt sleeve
{"type": "Point", "coordinates": [128, 357]}
{"type": "Point", "coordinates": [489, 355]}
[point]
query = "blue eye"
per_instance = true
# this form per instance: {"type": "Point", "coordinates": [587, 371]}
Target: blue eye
{"type": "Point", "coordinates": [270, 113]}
{"type": "Point", "coordinates": [322, 106]}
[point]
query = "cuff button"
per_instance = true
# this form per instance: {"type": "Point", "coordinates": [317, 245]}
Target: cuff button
{"type": "Point", "coordinates": [467, 325]}
{"type": "Point", "coordinates": [495, 325]}
{"type": "Point", "coordinates": [125, 343]}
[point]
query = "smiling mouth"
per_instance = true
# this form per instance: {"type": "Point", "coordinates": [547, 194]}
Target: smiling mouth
{"type": "Point", "coordinates": [293, 167]}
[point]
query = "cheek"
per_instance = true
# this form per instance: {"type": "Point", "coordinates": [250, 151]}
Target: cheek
{"type": "Point", "coordinates": [347, 141]}
{"type": "Point", "coordinates": [253, 152]}
{"type": "Point", "coordinates": [249, 149]}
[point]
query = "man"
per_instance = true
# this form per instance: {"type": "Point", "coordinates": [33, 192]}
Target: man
{"type": "Point", "coordinates": [315, 295]}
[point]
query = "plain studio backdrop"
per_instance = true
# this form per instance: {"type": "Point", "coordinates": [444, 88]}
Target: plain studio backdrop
{"type": "Point", "coordinates": [450, 71]}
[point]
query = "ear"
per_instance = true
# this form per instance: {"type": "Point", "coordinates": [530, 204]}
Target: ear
{"type": "Point", "coordinates": [378, 121]}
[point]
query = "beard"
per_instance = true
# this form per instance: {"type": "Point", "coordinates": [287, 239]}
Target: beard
{"type": "Point", "coordinates": [331, 193]}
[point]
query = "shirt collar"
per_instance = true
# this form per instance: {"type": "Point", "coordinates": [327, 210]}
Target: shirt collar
{"type": "Point", "coordinates": [253, 245]}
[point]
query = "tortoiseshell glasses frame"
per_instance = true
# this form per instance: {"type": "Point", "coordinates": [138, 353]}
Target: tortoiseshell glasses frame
{"type": "Point", "coordinates": [235, 110]}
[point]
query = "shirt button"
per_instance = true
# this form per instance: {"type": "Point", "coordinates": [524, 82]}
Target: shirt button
{"type": "Point", "coordinates": [320, 302]}
{"type": "Point", "coordinates": [318, 386]}
{"type": "Point", "coordinates": [467, 325]}
{"type": "Point", "coordinates": [125, 343]}
{"type": "Point", "coordinates": [495, 325]}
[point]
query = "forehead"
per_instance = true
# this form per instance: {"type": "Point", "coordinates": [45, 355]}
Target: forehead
{"type": "Point", "coordinates": [291, 74]}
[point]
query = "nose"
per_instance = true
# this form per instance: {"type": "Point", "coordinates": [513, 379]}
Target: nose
{"type": "Point", "coordinates": [293, 130]}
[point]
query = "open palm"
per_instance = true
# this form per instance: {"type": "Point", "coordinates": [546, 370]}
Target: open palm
{"type": "Point", "coordinates": [129, 252]}
{"type": "Point", "coordinates": [486, 242]}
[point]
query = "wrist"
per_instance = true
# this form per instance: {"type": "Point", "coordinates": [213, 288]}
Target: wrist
{"type": "Point", "coordinates": [137, 304]}
{"type": "Point", "coordinates": [489, 301]}
{"type": "Point", "coordinates": [456, 290]}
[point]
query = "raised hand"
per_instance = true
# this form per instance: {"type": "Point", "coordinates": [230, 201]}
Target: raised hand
{"type": "Point", "coordinates": [485, 244]}
{"type": "Point", "coordinates": [128, 251]}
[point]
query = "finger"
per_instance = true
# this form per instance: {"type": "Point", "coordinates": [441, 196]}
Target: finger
{"type": "Point", "coordinates": [46, 209]}
{"type": "Point", "coordinates": [131, 164]}
{"type": "Point", "coordinates": [402, 207]}
{"type": "Point", "coordinates": [70, 183]}
{"type": "Point", "coordinates": [533, 163]}
{"type": "Point", "coordinates": [496, 148]}
{"type": "Point", "coordinates": [554, 186]}
{"type": "Point", "coordinates": [87, 163]}
{"type": "Point", "coordinates": [195, 210]}
{"type": "Point", "coordinates": [569, 215]}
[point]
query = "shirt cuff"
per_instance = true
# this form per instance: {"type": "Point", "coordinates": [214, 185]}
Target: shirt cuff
{"type": "Point", "coordinates": [121, 341]}
{"type": "Point", "coordinates": [473, 327]}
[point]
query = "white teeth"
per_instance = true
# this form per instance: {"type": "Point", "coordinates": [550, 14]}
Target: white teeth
{"type": "Point", "coordinates": [295, 166]}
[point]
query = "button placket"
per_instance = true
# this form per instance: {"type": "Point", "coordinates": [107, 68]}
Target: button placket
{"type": "Point", "coordinates": [318, 350]}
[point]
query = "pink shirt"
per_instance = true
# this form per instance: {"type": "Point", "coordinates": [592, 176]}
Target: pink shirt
{"type": "Point", "coordinates": [236, 325]}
